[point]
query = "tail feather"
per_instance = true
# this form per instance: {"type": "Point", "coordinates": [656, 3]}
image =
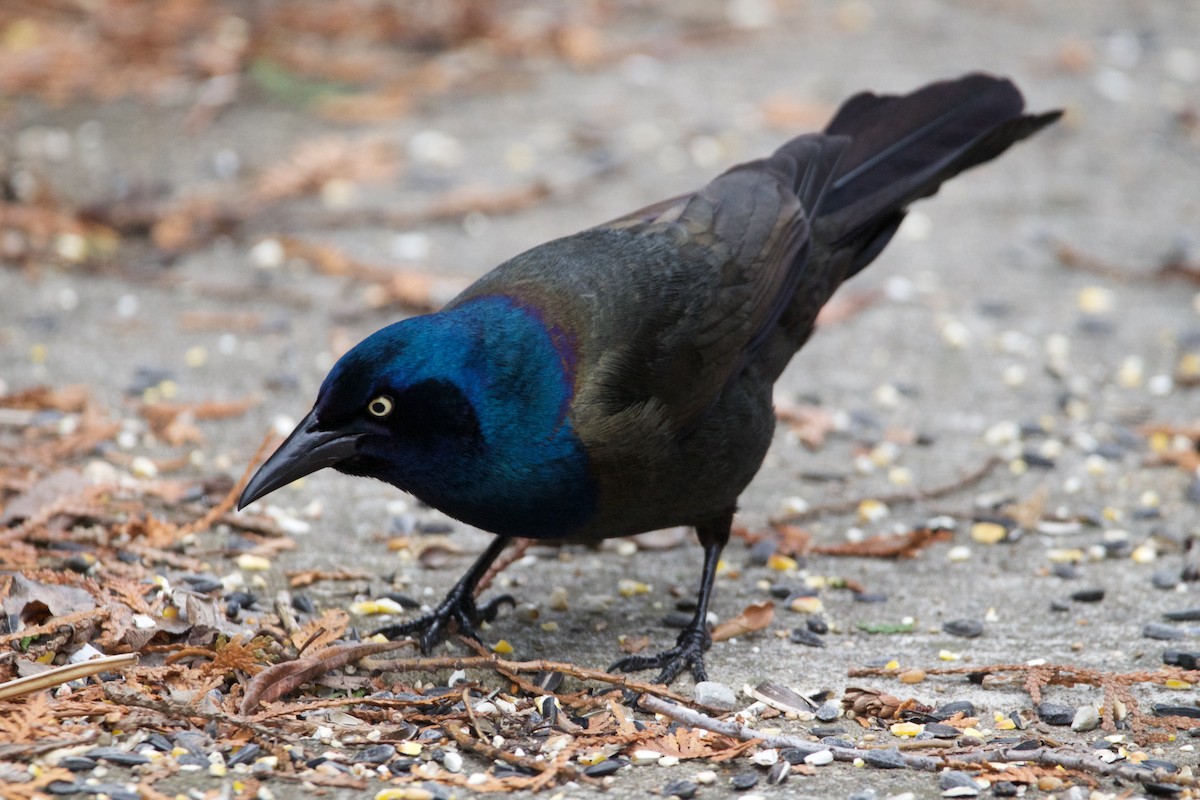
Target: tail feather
{"type": "Point", "coordinates": [903, 147]}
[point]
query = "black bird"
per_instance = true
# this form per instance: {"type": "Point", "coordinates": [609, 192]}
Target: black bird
{"type": "Point", "coordinates": [619, 380]}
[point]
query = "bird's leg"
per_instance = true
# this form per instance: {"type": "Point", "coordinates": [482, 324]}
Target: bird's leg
{"type": "Point", "coordinates": [689, 648]}
{"type": "Point", "coordinates": [458, 607]}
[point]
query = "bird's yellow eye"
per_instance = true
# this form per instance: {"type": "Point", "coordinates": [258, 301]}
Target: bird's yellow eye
{"type": "Point", "coordinates": [381, 406]}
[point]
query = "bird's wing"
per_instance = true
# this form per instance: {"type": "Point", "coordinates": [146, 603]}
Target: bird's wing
{"type": "Point", "coordinates": [736, 251]}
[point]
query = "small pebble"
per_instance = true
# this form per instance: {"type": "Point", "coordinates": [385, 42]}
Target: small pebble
{"type": "Point", "coordinates": [829, 711]}
{"type": "Point", "coordinates": [705, 777]}
{"type": "Point", "coordinates": [912, 676]}
{"type": "Point", "coordinates": [965, 628]}
{"type": "Point", "coordinates": [1086, 718]}
{"type": "Point", "coordinates": [988, 532]}
{"type": "Point", "coordinates": [114, 755]}
{"type": "Point", "coordinates": [806, 637]}
{"type": "Point", "coordinates": [1181, 658]}
{"type": "Point", "coordinates": [743, 781]}
{"type": "Point", "coordinates": [819, 758]}
{"type": "Point", "coordinates": [375, 754]}
{"type": "Point", "coordinates": [452, 761]}
{"type": "Point", "coordinates": [885, 759]}
{"type": "Point", "coordinates": [715, 695]}
{"type": "Point", "coordinates": [1183, 615]}
{"type": "Point", "coordinates": [684, 790]}
{"type": "Point", "coordinates": [1005, 789]}
{"type": "Point", "coordinates": [1055, 714]}
{"type": "Point", "coordinates": [955, 783]}
{"type": "Point", "coordinates": [606, 767]}
{"type": "Point", "coordinates": [1157, 630]}
{"type": "Point", "coordinates": [766, 758]}
{"type": "Point", "coordinates": [1088, 596]}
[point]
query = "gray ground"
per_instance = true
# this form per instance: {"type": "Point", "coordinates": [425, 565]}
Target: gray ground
{"type": "Point", "coordinates": [1117, 179]}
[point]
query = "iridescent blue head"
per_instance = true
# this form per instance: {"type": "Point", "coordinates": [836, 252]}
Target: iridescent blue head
{"type": "Point", "coordinates": [468, 409]}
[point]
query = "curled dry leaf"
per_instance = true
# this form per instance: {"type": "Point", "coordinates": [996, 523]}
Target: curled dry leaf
{"type": "Point", "coordinates": [755, 617]}
{"type": "Point", "coordinates": [276, 681]}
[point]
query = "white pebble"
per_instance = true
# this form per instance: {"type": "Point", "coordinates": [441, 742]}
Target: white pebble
{"type": "Point", "coordinates": [127, 306]}
{"type": "Point", "coordinates": [956, 334]}
{"type": "Point", "coordinates": [794, 505]}
{"type": "Point", "coordinates": [452, 761]}
{"type": "Point", "coordinates": [435, 148]}
{"type": "Point", "coordinates": [267, 254]}
{"type": "Point", "coordinates": [411, 246]}
{"type": "Point", "coordinates": [705, 777]}
{"type": "Point", "coordinates": [887, 396]}
{"type": "Point", "coordinates": [1002, 433]}
{"type": "Point", "coordinates": [644, 758]}
{"type": "Point", "coordinates": [1015, 375]}
{"type": "Point", "coordinates": [1160, 385]}
{"type": "Point", "coordinates": [819, 758]}
{"type": "Point", "coordinates": [1087, 718]}
{"type": "Point", "coordinates": [958, 554]}
{"type": "Point", "coordinates": [1058, 346]}
{"type": "Point", "coordinates": [143, 467]}
{"type": "Point", "coordinates": [1096, 300]}
{"type": "Point", "coordinates": [1113, 85]}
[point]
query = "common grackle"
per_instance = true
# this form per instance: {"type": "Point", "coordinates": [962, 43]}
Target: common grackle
{"type": "Point", "coordinates": [619, 380]}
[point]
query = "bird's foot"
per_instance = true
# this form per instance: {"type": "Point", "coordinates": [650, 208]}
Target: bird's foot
{"type": "Point", "coordinates": [458, 612]}
{"type": "Point", "coordinates": [688, 653]}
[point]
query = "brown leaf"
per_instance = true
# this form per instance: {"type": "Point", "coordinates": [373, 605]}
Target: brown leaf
{"type": "Point", "coordinates": [754, 617]}
{"type": "Point", "coordinates": [274, 682]}
{"type": "Point", "coordinates": [34, 602]}
{"type": "Point", "coordinates": [319, 633]}
{"type": "Point", "coordinates": [634, 644]}
{"type": "Point", "coordinates": [306, 577]}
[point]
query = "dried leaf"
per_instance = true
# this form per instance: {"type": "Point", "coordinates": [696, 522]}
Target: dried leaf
{"type": "Point", "coordinates": [755, 617]}
{"type": "Point", "coordinates": [277, 681]}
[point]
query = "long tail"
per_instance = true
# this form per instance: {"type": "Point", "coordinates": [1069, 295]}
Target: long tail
{"type": "Point", "coordinates": [902, 148]}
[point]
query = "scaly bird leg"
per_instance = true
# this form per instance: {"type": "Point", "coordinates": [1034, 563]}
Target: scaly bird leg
{"type": "Point", "coordinates": [458, 608]}
{"type": "Point", "coordinates": [689, 648]}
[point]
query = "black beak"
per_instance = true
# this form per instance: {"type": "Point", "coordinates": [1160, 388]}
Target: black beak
{"type": "Point", "coordinates": [305, 451]}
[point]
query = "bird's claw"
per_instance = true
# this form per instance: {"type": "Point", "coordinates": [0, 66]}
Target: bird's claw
{"type": "Point", "coordinates": [459, 608]}
{"type": "Point", "coordinates": [688, 653]}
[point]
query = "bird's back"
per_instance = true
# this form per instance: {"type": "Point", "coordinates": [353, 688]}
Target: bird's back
{"type": "Point", "coordinates": [683, 314]}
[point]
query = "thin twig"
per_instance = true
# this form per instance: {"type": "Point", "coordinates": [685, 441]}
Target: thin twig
{"type": "Point", "coordinates": [1084, 762]}
{"type": "Point", "coordinates": [19, 687]}
{"type": "Point", "coordinates": [124, 696]}
{"type": "Point", "coordinates": [485, 749]}
{"type": "Point", "coordinates": [899, 498]}
{"type": "Point", "coordinates": [497, 664]}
